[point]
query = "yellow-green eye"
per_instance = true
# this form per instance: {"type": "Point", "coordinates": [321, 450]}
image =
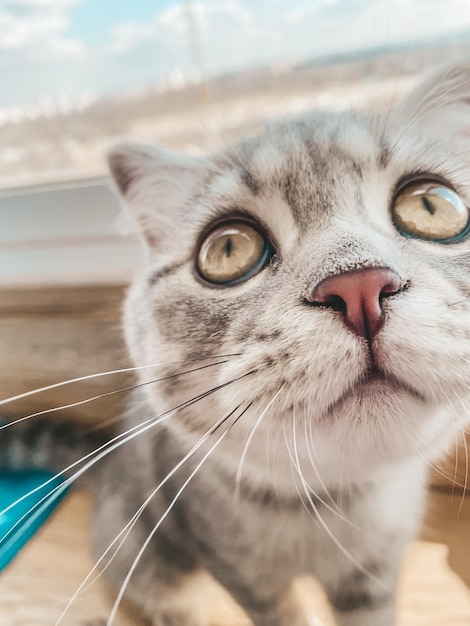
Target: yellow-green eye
{"type": "Point", "coordinates": [431, 211]}
{"type": "Point", "coordinates": [231, 253]}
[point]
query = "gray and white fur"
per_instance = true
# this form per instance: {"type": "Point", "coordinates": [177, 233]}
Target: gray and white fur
{"type": "Point", "coordinates": [320, 463]}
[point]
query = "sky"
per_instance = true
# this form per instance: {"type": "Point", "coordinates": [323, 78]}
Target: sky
{"type": "Point", "coordinates": [67, 50]}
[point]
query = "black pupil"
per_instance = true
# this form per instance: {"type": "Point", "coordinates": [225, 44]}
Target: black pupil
{"type": "Point", "coordinates": [428, 205]}
{"type": "Point", "coordinates": [228, 247]}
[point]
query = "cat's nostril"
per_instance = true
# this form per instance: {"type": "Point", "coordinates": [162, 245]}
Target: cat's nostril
{"type": "Point", "coordinates": [336, 303]}
{"type": "Point", "coordinates": [359, 296]}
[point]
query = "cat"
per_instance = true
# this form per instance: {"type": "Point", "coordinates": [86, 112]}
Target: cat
{"type": "Point", "coordinates": [306, 294]}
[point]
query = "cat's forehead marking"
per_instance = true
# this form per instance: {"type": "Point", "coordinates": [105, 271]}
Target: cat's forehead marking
{"type": "Point", "coordinates": [316, 164]}
{"type": "Point", "coordinates": [240, 190]}
{"type": "Point", "coordinates": [267, 161]}
{"type": "Point", "coordinates": [281, 161]}
{"type": "Point", "coordinates": [384, 155]}
{"type": "Point", "coordinates": [249, 181]}
{"type": "Point", "coordinates": [226, 187]}
{"type": "Point", "coordinates": [275, 212]}
{"type": "Point", "coordinates": [301, 174]}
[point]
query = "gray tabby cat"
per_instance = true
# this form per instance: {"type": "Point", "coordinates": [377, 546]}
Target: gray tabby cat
{"type": "Point", "coordinates": [314, 284]}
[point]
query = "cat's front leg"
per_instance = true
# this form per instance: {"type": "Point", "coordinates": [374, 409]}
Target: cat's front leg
{"type": "Point", "coordinates": [181, 602]}
{"type": "Point", "coordinates": [277, 606]}
{"type": "Point", "coordinates": [363, 605]}
{"type": "Point", "coordinates": [360, 571]}
{"type": "Point", "coordinates": [362, 591]}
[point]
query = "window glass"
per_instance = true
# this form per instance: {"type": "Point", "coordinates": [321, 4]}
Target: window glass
{"type": "Point", "coordinates": [194, 74]}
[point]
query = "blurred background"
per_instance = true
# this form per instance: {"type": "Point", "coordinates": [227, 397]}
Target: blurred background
{"type": "Point", "coordinates": [194, 74]}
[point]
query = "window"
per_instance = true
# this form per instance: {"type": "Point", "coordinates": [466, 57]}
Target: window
{"type": "Point", "coordinates": [191, 75]}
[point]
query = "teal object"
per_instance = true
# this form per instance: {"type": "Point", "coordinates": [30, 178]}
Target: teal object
{"type": "Point", "coordinates": [19, 522]}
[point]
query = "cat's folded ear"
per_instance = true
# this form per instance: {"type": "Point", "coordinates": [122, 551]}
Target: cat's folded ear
{"type": "Point", "coordinates": [155, 184]}
{"type": "Point", "coordinates": [443, 94]}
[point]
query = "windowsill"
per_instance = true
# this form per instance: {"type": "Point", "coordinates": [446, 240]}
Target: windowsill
{"type": "Point", "coordinates": [65, 234]}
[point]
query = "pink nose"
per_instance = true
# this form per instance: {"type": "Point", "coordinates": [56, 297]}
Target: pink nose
{"type": "Point", "coordinates": [358, 296]}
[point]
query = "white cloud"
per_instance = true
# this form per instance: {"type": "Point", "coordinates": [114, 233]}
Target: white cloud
{"type": "Point", "coordinates": [233, 34]}
{"type": "Point", "coordinates": [23, 33]}
{"type": "Point", "coordinates": [36, 27]}
{"type": "Point", "coordinates": [236, 33]}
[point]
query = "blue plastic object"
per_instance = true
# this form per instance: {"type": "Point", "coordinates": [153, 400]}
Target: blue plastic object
{"type": "Point", "coordinates": [19, 522]}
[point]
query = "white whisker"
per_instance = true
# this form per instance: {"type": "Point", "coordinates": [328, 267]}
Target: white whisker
{"type": "Point", "coordinates": [130, 525]}
{"type": "Point", "coordinates": [108, 373]}
{"type": "Point", "coordinates": [436, 468]}
{"type": "Point", "coordinates": [248, 441]}
{"type": "Point", "coordinates": [107, 394]}
{"type": "Point", "coordinates": [465, 485]}
{"type": "Point", "coordinates": [428, 109]}
{"type": "Point", "coordinates": [108, 447]}
{"type": "Point", "coordinates": [309, 442]}
{"type": "Point", "coordinates": [324, 525]}
{"type": "Point", "coordinates": [124, 585]}
{"type": "Point", "coordinates": [333, 510]}
{"type": "Point", "coordinates": [294, 473]}
{"type": "Point", "coordinates": [400, 70]}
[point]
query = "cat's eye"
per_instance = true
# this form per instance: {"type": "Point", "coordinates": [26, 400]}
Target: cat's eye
{"type": "Point", "coordinates": [232, 252]}
{"type": "Point", "coordinates": [429, 210]}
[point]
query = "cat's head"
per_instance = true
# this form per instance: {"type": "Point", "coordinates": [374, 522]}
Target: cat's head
{"type": "Point", "coordinates": [330, 256]}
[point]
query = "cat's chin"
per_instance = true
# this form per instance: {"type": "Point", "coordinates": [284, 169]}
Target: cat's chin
{"type": "Point", "coordinates": [382, 420]}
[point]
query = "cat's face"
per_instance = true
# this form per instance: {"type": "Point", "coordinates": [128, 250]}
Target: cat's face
{"type": "Point", "coordinates": [240, 244]}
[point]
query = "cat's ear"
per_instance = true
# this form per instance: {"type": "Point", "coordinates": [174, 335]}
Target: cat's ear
{"type": "Point", "coordinates": [442, 94]}
{"type": "Point", "coordinates": [155, 184]}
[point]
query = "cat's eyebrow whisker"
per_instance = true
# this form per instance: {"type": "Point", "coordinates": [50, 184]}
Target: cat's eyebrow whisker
{"type": "Point", "coordinates": [248, 441]}
{"type": "Point", "coordinates": [211, 167]}
{"type": "Point", "coordinates": [325, 527]}
{"type": "Point", "coordinates": [400, 70]}
{"type": "Point", "coordinates": [241, 162]}
{"type": "Point", "coordinates": [424, 112]}
{"type": "Point", "coordinates": [432, 106]}
{"type": "Point", "coordinates": [205, 121]}
{"type": "Point", "coordinates": [131, 523]}
{"type": "Point", "coordinates": [124, 585]}
{"type": "Point", "coordinates": [109, 393]}
{"type": "Point", "coordinates": [79, 379]}
{"type": "Point", "coordinates": [226, 150]}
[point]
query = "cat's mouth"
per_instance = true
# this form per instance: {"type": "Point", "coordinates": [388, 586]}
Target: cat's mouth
{"type": "Point", "coordinates": [374, 383]}
{"type": "Point", "coordinates": [375, 376]}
